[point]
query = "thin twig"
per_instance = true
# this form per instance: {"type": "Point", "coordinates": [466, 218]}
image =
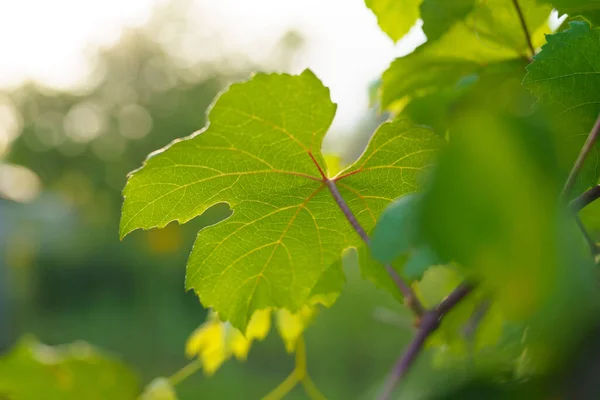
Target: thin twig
{"type": "Point", "coordinates": [524, 26]}
{"type": "Point", "coordinates": [585, 199]}
{"type": "Point", "coordinates": [594, 249]}
{"type": "Point", "coordinates": [579, 204]}
{"type": "Point", "coordinates": [585, 150]}
{"type": "Point", "coordinates": [411, 299]}
{"type": "Point", "coordinates": [430, 321]}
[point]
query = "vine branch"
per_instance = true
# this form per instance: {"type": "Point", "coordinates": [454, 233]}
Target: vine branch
{"type": "Point", "coordinates": [579, 203]}
{"type": "Point", "coordinates": [524, 26]}
{"type": "Point", "coordinates": [585, 150]}
{"type": "Point", "coordinates": [588, 197]}
{"type": "Point", "coordinates": [430, 322]}
{"type": "Point", "coordinates": [411, 299]}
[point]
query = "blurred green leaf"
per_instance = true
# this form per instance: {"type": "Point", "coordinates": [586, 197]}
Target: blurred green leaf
{"type": "Point", "coordinates": [439, 15]}
{"type": "Point", "coordinates": [261, 155]}
{"type": "Point", "coordinates": [159, 389]}
{"type": "Point", "coordinates": [563, 76]}
{"type": "Point", "coordinates": [493, 207]}
{"type": "Point", "coordinates": [34, 371]}
{"type": "Point", "coordinates": [395, 231]}
{"type": "Point", "coordinates": [395, 17]}
{"type": "Point", "coordinates": [421, 258]}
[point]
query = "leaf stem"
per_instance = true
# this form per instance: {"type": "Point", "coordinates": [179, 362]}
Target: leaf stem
{"type": "Point", "coordinates": [411, 299]}
{"type": "Point", "coordinates": [284, 387]}
{"type": "Point", "coordinates": [430, 321]}
{"type": "Point", "coordinates": [524, 26]}
{"type": "Point", "coordinates": [585, 150]}
{"type": "Point", "coordinates": [311, 389]}
{"type": "Point", "coordinates": [185, 372]}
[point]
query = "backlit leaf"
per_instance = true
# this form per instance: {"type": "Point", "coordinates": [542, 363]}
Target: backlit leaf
{"type": "Point", "coordinates": [395, 17]}
{"type": "Point", "coordinates": [215, 341]}
{"type": "Point", "coordinates": [261, 154]}
{"type": "Point", "coordinates": [291, 326]}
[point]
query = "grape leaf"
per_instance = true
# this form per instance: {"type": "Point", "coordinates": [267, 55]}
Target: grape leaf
{"type": "Point", "coordinates": [32, 371]}
{"type": "Point", "coordinates": [395, 17]}
{"type": "Point", "coordinates": [490, 33]}
{"type": "Point", "coordinates": [439, 15]}
{"type": "Point", "coordinates": [261, 155]}
{"type": "Point", "coordinates": [564, 75]}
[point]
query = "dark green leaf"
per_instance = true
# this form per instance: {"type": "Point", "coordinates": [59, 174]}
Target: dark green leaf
{"type": "Point", "coordinates": [564, 76]}
{"type": "Point", "coordinates": [395, 232]}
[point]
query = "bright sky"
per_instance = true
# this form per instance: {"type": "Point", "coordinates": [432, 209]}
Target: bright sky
{"type": "Point", "coordinates": [47, 41]}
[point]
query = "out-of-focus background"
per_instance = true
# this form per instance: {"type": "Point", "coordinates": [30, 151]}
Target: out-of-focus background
{"type": "Point", "coordinates": [87, 89]}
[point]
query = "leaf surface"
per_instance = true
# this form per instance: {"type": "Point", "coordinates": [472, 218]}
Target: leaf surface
{"type": "Point", "coordinates": [261, 155]}
{"type": "Point", "coordinates": [565, 77]}
{"type": "Point", "coordinates": [395, 17]}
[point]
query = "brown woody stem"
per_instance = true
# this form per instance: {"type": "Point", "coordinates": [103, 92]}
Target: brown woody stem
{"type": "Point", "coordinates": [430, 322]}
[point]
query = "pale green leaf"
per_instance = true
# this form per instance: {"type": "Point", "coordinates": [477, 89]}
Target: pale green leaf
{"type": "Point", "coordinates": [159, 389]}
{"type": "Point", "coordinates": [261, 155]}
{"type": "Point", "coordinates": [565, 77]}
{"type": "Point", "coordinates": [34, 371]}
{"type": "Point", "coordinates": [395, 17]}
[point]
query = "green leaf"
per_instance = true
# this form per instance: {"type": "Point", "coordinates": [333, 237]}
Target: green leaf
{"type": "Point", "coordinates": [159, 389]}
{"type": "Point", "coordinates": [396, 235]}
{"type": "Point", "coordinates": [395, 17]}
{"type": "Point", "coordinates": [261, 155]}
{"type": "Point", "coordinates": [439, 15]}
{"type": "Point", "coordinates": [489, 34]}
{"type": "Point", "coordinates": [33, 371]}
{"type": "Point", "coordinates": [497, 88]}
{"type": "Point", "coordinates": [421, 258]}
{"type": "Point", "coordinates": [395, 232]}
{"type": "Point", "coordinates": [564, 76]}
